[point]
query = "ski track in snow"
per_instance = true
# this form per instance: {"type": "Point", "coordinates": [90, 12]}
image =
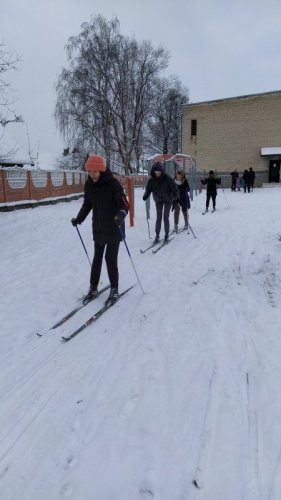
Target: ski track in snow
{"type": "Point", "coordinates": [176, 385]}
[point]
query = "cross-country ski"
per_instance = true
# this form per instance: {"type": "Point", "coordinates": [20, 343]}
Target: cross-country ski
{"type": "Point", "coordinates": [71, 313]}
{"type": "Point", "coordinates": [151, 246]}
{"type": "Point", "coordinates": [164, 243]}
{"type": "Point", "coordinates": [93, 318]}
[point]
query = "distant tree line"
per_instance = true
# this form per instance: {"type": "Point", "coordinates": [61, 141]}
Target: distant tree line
{"type": "Point", "coordinates": [113, 99]}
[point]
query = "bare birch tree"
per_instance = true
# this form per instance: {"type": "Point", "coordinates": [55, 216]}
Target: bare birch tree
{"type": "Point", "coordinates": [164, 124]}
{"type": "Point", "coordinates": [8, 62]}
{"type": "Point", "coordinates": [105, 96]}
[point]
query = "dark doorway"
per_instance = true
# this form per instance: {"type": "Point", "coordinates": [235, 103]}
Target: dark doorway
{"type": "Point", "coordinates": [274, 171]}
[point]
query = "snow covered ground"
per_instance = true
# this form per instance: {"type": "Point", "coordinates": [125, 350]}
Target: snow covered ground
{"type": "Point", "coordinates": [181, 384]}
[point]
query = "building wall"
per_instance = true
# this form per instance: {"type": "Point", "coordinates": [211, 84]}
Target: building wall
{"type": "Point", "coordinates": [231, 132]}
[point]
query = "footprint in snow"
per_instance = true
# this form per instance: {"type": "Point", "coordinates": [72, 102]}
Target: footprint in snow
{"type": "Point", "coordinates": [67, 490]}
{"type": "Point", "coordinates": [146, 490]}
{"type": "Point", "coordinates": [70, 462]}
{"type": "Point", "coordinates": [129, 407]}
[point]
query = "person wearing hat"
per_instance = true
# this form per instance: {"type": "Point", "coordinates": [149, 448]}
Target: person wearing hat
{"type": "Point", "coordinates": [211, 182]}
{"type": "Point", "coordinates": [183, 202]}
{"type": "Point", "coordinates": [164, 191]}
{"type": "Point", "coordinates": [104, 196]}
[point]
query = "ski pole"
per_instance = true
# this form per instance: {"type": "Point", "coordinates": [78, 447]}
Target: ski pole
{"type": "Point", "coordinates": [124, 239]}
{"type": "Point", "coordinates": [148, 228]}
{"type": "Point", "coordinates": [191, 230]}
{"type": "Point", "coordinates": [225, 195]}
{"type": "Point", "coordinates": [83, 246]}
{"type": "Point", "coordinates": [147, 207]}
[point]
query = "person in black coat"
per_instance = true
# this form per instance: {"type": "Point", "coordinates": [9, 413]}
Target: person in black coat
{"type": "Point", "coordinates": [104, 196]}
{"type": "Point", "coordinates": [211, 182]}
{"type": "Point", "coordinates": [234, 177]}
{"type": "Point", "coordinates": [252, 177]}
{"type": "Point", "coordinates": [164, 191]}
{"type": "Point", "coordinates": [246, 179]}
{"type": "Point", "coordinates": [183, 202]}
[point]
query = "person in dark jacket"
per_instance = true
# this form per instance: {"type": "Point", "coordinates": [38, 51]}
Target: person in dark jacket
{"type": "Point", "coordinates": [164, 191]}
{"type": "Point", "coordinates": [252, 177]}
{"type": "Point", "coordinates": [246, 179]}
{"type": "Point", "coordinates": [183, 202]}
{"type": "Point", "coordinates": [234, 177]}
{"type": "Point", "coordinates": [104, 196]}
{"type": "Point", "coordinates": [211, 182]}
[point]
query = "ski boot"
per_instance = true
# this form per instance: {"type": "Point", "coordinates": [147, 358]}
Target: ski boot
{"type": "Point", "coordinates": [92, 294]}
{"type": "Point", "coordinates": [113, 297]}
{"type": "Point", "coordinates": [156, 239]}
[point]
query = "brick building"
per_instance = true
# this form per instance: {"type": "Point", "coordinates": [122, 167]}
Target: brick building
{"type": "Point", "coordinates": [235, 133]}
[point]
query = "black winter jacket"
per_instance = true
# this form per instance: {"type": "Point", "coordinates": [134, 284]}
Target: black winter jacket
{"type": "Point", "coordinates": [184, 189]}
{"type": "Point", "coordinates": [105, 197]}
{"type": "Point", "coordinates": [163, 189]}
{"type": "Point", "coordinates": [211, 183]}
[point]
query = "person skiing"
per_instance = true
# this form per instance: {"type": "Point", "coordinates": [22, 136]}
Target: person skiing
{"type": "Point", "coordinates": [211, 182]}
{"type": "Point", "coordinates": [104, 196]}
{"type": "Point", "coordinates": [183, 202]}
{"type": "Point", "coordinates": [164, 191]}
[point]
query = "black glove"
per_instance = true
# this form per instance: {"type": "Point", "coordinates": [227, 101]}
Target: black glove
{"type": "Point", "coordinates": [74, 221]}
{"type": "Point", "coordinates": [175, 202]}
{"type": "Point", "coordinates": [144, 197]}
{"type": "Point", "coordinates": [119, 218]}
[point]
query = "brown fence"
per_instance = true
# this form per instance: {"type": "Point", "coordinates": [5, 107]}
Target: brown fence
{"type": "Point", "coordinates": [24, 188]}
{"type": "Point", "coordinates": [137, 180]}
{"type": "Point", "coordinates": [17, 185]}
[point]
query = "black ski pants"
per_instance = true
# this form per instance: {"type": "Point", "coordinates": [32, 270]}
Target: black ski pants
{"type": "Point", "coordinates": [162, 208]}
{"type": "Point", "coordinates": [209, 196]}
{"type": "Point", "coordinates": [111, 258]}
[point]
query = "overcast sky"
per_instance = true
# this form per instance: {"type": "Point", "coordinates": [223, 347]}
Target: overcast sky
{"type": "Point", "coordinates": [218, 48]}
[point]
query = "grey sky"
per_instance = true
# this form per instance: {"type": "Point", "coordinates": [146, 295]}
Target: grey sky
{"type": "Point", "coordinates": [218, 48]}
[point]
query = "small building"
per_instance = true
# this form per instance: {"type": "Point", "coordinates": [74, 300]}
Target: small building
{"type": "Point", "coordinates": [235, 133]}
{"type": "Point", "coordinates": [172, 162]}
{"type": "Point", "coordinates": [11, 153]}
{"type": "Point", "coordinates": [16, 161]}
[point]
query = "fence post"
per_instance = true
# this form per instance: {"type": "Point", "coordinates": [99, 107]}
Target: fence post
{"type": "Point", "coordinates": [131, 199]}
{"type": "Point", "coordinates": [4, 186]}
{"type": "Point", "coordinates": [29, 184]}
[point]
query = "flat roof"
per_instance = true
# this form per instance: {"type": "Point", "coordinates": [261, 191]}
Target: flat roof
{"type": "Point", "coordinates": [232, 98]}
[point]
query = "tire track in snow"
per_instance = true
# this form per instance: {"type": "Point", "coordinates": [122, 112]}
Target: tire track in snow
{"type": "Point", "coordinates": [275, 485]}
{"type": "Point", "coordinates": [250, 472]}
{"type": "Point", "coordinates": [253, 490]}
{"type": "Point", "coordinates": [224, 365]}
{"type": "Point", "coordinates": [15, 434]}
{"type": "Point", "coordinates": [39, 365]}
{"type": "Point", "coordinates": [206, 433]}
